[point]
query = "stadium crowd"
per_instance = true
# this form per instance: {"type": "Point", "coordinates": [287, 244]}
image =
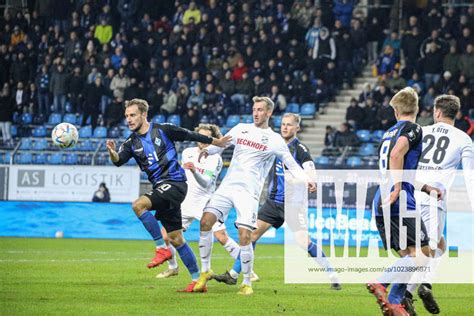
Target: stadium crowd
{"type": "Point", "coordinates": [205, 59]}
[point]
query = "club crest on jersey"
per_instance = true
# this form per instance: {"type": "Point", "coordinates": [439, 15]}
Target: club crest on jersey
{"type": "Point", "coordinates": [264, 140]}
{"type": "Point", "coordinates": [157, 141]}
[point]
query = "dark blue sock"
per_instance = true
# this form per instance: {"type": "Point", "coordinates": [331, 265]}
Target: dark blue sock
{"type": "Point", "coordinates": [397, 292]}
{"type": "Point", "coordinates": [189, 260]}
{"type": "Point", "coordinates": [151, 224]}
{"type": "Point", "coordinates": [313, 250]}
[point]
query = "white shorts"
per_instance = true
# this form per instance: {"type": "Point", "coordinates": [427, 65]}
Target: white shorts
{"type": "Point", "coordinates": [245, 204]}
{"type": "Point", "coordinates": [434, 221]}
{"type": "Point", "coordinates": [193, 206]}
{"type": "Point", "coordinates": [187, 221]}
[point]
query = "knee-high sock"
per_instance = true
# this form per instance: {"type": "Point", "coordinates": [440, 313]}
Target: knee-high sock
{"type": "Point", "coordinates": [232, 248]}
{"type": "Point", "coordinates": [237, 267]}
{"type": "Point", "coordinates": [172, 263]}
{"type": "Point", "coordinates": [246, 256]}
{"type": "Point", "coordinates": [189, 260]}
{"type": "Point", "coordinates": [322, 260]}
{"type": "Point", "coordinates": [151, 224]}
{"type": "Point", "coordinates": [429, 274]}
{"type": "Point", "coordinates": [205, 249]}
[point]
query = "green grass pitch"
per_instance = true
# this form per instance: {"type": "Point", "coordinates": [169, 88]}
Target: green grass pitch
{"type": "Point", "coordinates": [109, 277]}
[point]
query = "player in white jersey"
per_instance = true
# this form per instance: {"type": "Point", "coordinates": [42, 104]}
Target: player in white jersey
{"type": "Point", "coordinates": [201, 179]}
{"type": "Point", "coordinates": [256, 146]}
{"type": "Point", "coordinates": [444, 147]}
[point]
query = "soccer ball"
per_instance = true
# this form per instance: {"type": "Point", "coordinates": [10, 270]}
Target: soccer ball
{"type": "Point", "coordinates": [65, 135]}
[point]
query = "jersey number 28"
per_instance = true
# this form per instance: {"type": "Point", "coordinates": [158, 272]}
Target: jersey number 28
{"type": "Point", "coordinates": [439, 151]}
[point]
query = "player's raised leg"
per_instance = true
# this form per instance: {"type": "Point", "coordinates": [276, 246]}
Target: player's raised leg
{"type": "Point", "coordinates": [141, 207]}
{"type": "Point", "coordinates": [173, 268]}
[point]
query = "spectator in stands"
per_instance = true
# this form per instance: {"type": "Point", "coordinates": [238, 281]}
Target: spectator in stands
{"type": "Point", "coordinates": [102, 194]}
{"type": "Point", "coordinates": [92, 97]}
{"type": "Point", "coordinates": [370, 109]}
{"type": "Point", "coordinates": [428, 99]}
{"type": "Point", "coordinates": [396, 82]}
{"type": "Point", "coordinates": [432, 63]}
{"type": "Point", "coordinates": [321, 94]}
{"type": "Point", "coordinates": [329, 136]}
{"type": "Point", "coordinates": [182, 98]}
{"type": "Point", "coordinates": [411, 42]}
{"type": "Point", "coordinates": [386, 115]}
{"type": "Point", "coordinates": [324, 50]}
{"type": "Point", "coordinates": [169, 103]}
{"type": "Point", "coordinates": [345, 137]}
{"type": "Point", "coordinates": [196, 98]}
{"type": "Point", "coordinates": [32, 99]}
{"type": "Point", "coordinates": [42, 83]}
{"type": "Point", "coordinates": [381, 93]}
{"type": "Point", "coordinates": [452, 61]}
{"type": "Point", "coordinates": [462, 122]}
{"type": "Point", "coordinates": [21, 98]}
{"type": "Point", "coordinates": [128, 10]}
{"type": "Point", "coordinates": [192, 14]}
{"type": "Point", "coordinates": [103, 32]}
{"type": "Point", "coordinates": [278, 99]}
{"type": "Point", "coordinates": [75, 87]}
{"type": "Point", "coordinates": [386, 62]}
{"type": "Point", "coordinates": [354, 114]}
{"type": "Point", "coordinates": [374, 37]}
{"type": "Point", "coordinates": [343, 11]}
{"type": "Point", "coordinates": [119, 83]}
{"type": "Point", "coordinates": [58, 88]}
{"type": "Point", "coordinates": [466, 63]}
{"type": "Point", "coordinates": [426, 117]}
{"type": "Point", "coordinates": [190, 119]}
{"type": "Point", "coordinates": [312, 34]}
{"type": "Point", "coordinates": [446, 83]}
{"type": "Point", "coordinates": [345, 50]}
{"type": "Point", "coordinates": [467, 101]}
{"type": "Point", "coordinates": [394, 42]}
{"type": "Point", "coordinates": [366, 93]}
{"type": "Point", "coordinates": [20, 69]}
{"type": "Point", "coordinates": [114, 112]}
{"type": "Point", "coordinates": [7, 109]}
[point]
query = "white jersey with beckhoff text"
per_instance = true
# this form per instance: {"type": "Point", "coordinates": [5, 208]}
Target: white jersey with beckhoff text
{"type": "Point", "coordinates": [444, 147]}
{"type": "Point", "coordinates": [254, 153]}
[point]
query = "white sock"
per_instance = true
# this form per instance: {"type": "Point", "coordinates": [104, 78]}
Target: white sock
{"type": "Point", "coordinates": [172, 263]}
{"type": "Point", "coordinates": [429, 274]}
{"type": "Point", "coordinates": [394, 274]}
{"type": "Point", "coordinates": [411, 287]}
{"type": "Point", "coordinates": [205, 249]}
{"type": "Point", "coordinates": [246, 257]}
{"type": "Point", "coordinates": [233, 274]}
{"type": "Point", "coordinates": [232, 248]}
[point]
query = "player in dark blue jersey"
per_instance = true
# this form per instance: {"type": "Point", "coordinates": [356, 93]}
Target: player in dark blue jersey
{"type": "Point", "coordinates": [272, 212]}
{"type": "Point", "coordinates": [400, 149]}
{"type": "Point", "coordinates": [152, 147]}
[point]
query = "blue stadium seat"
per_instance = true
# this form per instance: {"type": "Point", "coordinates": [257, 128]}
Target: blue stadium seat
{"type": "Point", "coordinates": [88, 121]}
{"type": "Point", "coordinates": [354, 161]}
{"type": "Point", "coordinates": [308, 110]}
{"type": "Point", "coordinates": [39, 131]}
{"type": "Point", "coordinates": [293, 108]}
{"type": "Point", "coordinates": [25, 143]}
{"type": "Point", "coordinates": [174, 119]}
{"type": "Point", "coordinates": [232, 120]}
{"type": "Point", "coordinates": [2, 158]}
{"type": "Point", "coordinates": [322, 160]}
{"type": "Point", "coordinates": [16, 118]}
{"type": "Point", "coordinates": [363, 135]}
{"type": "Point", "coordinates": [70, 118]}
{"type": "Point", "coordinates": [372, 162]}
{"type": "Point", "coordinates": [85, 132]}
{"type": "Point", "coordinates": [86, 159]}
{"type": "Point", "coordinates": [126, 133]}
{"type": "Point", "coordinates": [24, 158]}
{"type": "Point", "coordinates": [68, 107]}
{"type": "Point", "coordinates": [114, 132]}
{"type": "Point", "coordinates": [224, 130]}
{"type": "Point", "coordinates": [55, 159]}
{"type": "Point", "coordinates": [366, 150]}
{"type": "Point", "coordinates": [377, 136]}
{"type": "Point", "coordinates": [71, 159]}
{"type": "Point", "coordinates": [101, 159]}
{"type": "Point", "coordinates": [54, 119]}
{"type": "Point", "coordinates": [14, 131]}
{"type": "Point", "coordinates": [100, 132]}
{"type": "Point", "coordinates": [158, 119]}
{"type": "Point", "coordinates": [247, 119]}
{"type": "Point", "coordinates": [277, 121]}
{"type": "Point", "coordinates": [7, 157]}
{"type": "Point", "coordinates": [39, 159]}
{"type": "Point", "coordinates": [26, 118]}
{"type": "Point", "coordinates": [40, 144]}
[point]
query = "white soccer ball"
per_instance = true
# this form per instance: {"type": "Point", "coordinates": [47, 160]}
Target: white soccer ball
{"type": "Point", "coordinates": [65, 135]}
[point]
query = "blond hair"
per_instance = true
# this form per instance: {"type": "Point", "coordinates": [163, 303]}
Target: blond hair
{"type": "Point", "coordinates": [268, 102]}
{"type": "Point", "coordinates": [296, 117]}
{"type": "Point", "coordinates": [448, 104]}
{"type": "Point", "coordinates": [214, 129]}
{"type": "Point", "coordinates": [405, 102]}
{"type": "Point", "coordinates": [140, 103]}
